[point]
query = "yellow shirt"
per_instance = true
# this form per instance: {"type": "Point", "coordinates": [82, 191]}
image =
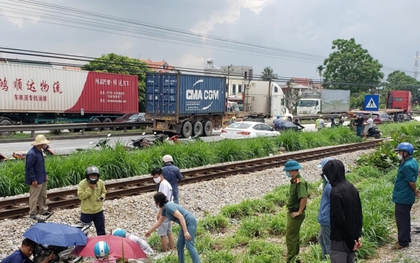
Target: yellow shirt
{"type": "Point", "coordinates": [90, 203]}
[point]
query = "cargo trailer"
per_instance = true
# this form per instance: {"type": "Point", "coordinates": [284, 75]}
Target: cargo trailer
{"type": "Point", "coordinates": [36, 94]}
{"type": "Point", "coordinates": [185, 104]}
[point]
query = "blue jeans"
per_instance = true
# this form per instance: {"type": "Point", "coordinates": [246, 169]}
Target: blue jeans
{"type": "Point", "coordinates": [359, 131]}
{"type": "Point", "coordinates": [191, 227]}
{"type": "Point", "coordinates": [176, 199]}
{"type": "Point", "coordinates": [98, 219]}
{"type": "Point", "coordinates": [324, 240]}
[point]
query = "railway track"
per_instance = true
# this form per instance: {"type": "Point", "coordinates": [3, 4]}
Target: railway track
{"type": "Point", "coordinates": [17, 207]}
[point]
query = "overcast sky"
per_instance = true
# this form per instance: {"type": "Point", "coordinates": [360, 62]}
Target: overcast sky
{"type": "Point", "coordinates": [388, 29]}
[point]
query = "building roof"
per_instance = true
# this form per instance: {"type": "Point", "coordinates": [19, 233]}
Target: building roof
{"type": "Point", "coordinates": [302, 81]}
{"type": "Point", "coordinates": [158, 66]}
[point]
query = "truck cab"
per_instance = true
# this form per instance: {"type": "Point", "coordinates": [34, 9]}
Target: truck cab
{"type": "Point", "coordinates": [308, 107]}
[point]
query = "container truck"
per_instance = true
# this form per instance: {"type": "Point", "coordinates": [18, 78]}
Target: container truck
{"type": "Point", "coordinates": [264, 98]}
{"type": "Point", "coordinates": [34, 94]}
{"type": "Point", "coordinates": [399, 99]}
{"type": "Point", "coordinates": [323, 101]}
{"type": "Point", "coordinates": [186, 104]}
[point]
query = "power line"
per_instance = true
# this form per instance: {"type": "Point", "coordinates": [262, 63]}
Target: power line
{"type": "Point", "coordinates": [87, 59]}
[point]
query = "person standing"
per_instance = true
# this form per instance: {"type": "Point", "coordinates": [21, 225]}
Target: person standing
{"type": "Point", "coordinates": [404, 192]}
{"type": "Point", "coordinates": [367, 125]}
{"type": "Point", "coordinates": [324, 214]}
{"type": "Point", "coordinates": [91, 192]}
{"type": "Point", "coordinates": [172, 174]}
{"type": "Point", "coordinates": [346, 216]}
{"type": "Point", "coordinates": [187, 222]}
{"type": "Point", "coordinates": [36, 177]}
{"type": "Point", "coordinates": [165, 229]}
{"type": "Point", "coordinates": [359, 124]}
{"type": "Point", "coordinates": [320, 123]}
{"type": "Point", "coordinates": [278, 123]}
{"type": "Point", "coordinates": [296, 205]}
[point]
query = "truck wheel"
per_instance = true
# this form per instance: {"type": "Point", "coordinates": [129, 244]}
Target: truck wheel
{"type": "Point", "coordinates": [198, 128]}
{"type": "Point", "coordinates": [5, 121]}
{"type": "Point", "coordinates": [187, 129]}
{"type": "Point", "coordinates": [107, 120]}
{"type": "Point", "coordinates": [208, 128]}
{"type": "Point", "coordinates": [95, 120]}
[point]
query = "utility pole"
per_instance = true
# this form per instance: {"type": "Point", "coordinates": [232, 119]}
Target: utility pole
{"type": "Point", "coordinates": [228, 81]}
{"type": "Point", "coordinates": [416, 65]}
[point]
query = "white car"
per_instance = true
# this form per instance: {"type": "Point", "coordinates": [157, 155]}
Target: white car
{"type": "Point", "coordinates": [247, 129]}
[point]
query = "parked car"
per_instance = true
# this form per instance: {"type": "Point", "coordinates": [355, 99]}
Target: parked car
{"type": "Point", "coordinates": [378, 117]}
{"type": "Point", "coordinates": [247, 129]}
{"type": "Point", "coordinates": [131, 117]}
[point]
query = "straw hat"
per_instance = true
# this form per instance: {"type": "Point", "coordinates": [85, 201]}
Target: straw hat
{"type": "Point", "coordinates": [40, 139]}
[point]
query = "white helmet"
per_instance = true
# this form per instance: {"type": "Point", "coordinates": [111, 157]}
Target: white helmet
{"type": "Point", "coordinates": [167, 158]}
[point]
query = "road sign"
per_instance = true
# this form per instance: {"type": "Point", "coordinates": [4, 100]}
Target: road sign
{"type": "Point", "coordinates": [371, 102]}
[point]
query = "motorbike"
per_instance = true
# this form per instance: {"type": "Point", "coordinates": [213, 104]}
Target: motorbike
{"type": "Point", "coordinates": [101, 144]}
{"type": "Point", "coordinates": [374, 132]}
{"type": "Point", "coordinates": [63, 254]}
{"type": "Point", "coordinates": [143, 142]}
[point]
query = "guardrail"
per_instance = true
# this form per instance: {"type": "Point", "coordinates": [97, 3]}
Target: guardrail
{"type": "Point", "coordinates": [72, 126]}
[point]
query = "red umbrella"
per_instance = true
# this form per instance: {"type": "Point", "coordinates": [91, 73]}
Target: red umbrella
{"type": "Point", "coordinates": [119, 247]}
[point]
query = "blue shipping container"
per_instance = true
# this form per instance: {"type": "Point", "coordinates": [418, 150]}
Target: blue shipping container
{"type": "Point", "coordinates": [174, 94]}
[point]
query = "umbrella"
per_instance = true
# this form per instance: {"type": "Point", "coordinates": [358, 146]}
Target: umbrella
{"type": "Point", "coordinates": [117, 246]}
{"type": "Point", "coordinates": [55, 234]}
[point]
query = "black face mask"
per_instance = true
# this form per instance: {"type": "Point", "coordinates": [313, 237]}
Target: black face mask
{"type": "Point", "coordinates": [92, 181]}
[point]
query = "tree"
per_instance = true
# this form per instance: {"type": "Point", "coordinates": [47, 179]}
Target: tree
{"type": "Point", "coordinates": [351, 67]}
{"type": "Point", "coordinates": [113, 63]}
{"type": "Point", "coordinates": [267, 74]}
{"type": "Point", "coordinates": [320, 69]}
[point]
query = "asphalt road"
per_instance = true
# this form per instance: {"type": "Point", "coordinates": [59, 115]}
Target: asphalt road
{"type": "Point", "coordinates": [69, 145]}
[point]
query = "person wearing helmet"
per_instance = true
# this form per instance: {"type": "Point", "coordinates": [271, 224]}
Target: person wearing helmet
{"type": "Point", "coordinates": [185, 219]}
{"type": "Point", "coordinates": [296, 206]}
{"type": "Point", "coordinates": [91, 192]}
{"type": "Point", "coordinates": [141, 242]}
{"type": "Point", "coordinates": [36, 177]}
{"type": "Point", "coordinates": [172, 174]}
{"type": "Point", "coordinates": [232, 120]}
{"type": "Point", "coordinates": [324, 214]}
{"type": "Point", "coordinates": [102, 250]}
{"type": "Point", "coordinates": [346, 216]}
{"type": "Point", "coordinates": [278, 123]}
{"type": "Point", "coordinates": [405, 191]}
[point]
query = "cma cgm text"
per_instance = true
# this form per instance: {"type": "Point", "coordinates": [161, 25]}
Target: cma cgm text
{"type": "Point", "coordinates": [199, 94]}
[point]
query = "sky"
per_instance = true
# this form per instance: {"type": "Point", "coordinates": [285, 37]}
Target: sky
{"type": "Point", "coordinates": [293, 37]}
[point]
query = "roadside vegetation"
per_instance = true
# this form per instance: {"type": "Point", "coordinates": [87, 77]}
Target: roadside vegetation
{"type": "Point", "coordinates": [119, 163]}
{"type": "Point", "coordinates": [254, 230]}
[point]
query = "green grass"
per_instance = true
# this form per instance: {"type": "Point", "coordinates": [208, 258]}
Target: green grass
{"type": "Point", "coordinates": [257, 234]}
{"type": "Point", "coordinates": [119, 163]}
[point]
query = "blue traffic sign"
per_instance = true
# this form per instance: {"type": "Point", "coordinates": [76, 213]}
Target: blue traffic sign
{"type": "Point", "coordinates": [371, 102]}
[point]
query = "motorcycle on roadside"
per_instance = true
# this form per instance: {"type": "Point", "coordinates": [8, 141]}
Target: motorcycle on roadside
{"type": "Point", "coordinates": [143, 142]}
{"type": "Point", "coordinates": [63, 254]}
{"type": "Point", "coordinates": [101, 144]}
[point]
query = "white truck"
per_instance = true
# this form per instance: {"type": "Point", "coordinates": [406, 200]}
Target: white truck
{"type": "Point", "coordinates": [325, 101]}
{"type": "Point", "coordinates": [265, 98]}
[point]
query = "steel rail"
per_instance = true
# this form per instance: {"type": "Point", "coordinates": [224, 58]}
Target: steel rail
{"type": "Point", "coordinates": [17, 207]}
